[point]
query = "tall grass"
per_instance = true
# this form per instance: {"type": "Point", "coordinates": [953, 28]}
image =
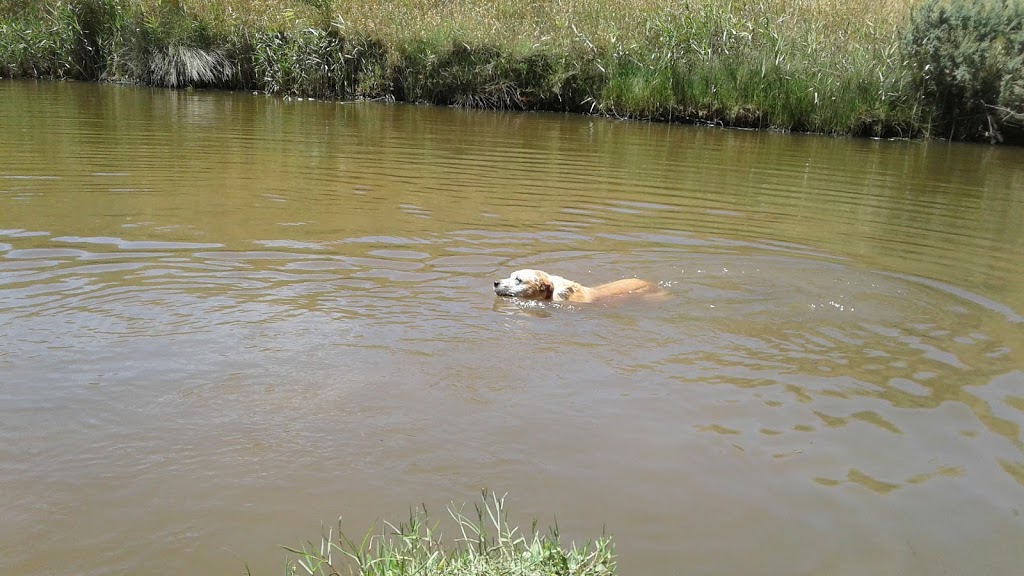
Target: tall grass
{"type": "Point", "coordinates": [485, 545]}
{"type": "Point", "coordinates": [810, 65]}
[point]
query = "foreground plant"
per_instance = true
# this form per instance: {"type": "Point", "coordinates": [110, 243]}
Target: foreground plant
{"type": "Point", "coordinates": [486, 545]}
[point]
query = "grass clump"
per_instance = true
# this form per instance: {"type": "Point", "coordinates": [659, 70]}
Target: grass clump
{"type": "Point", "coordinates": [486, 545]}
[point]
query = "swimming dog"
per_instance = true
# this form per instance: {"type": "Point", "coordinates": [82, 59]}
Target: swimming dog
{"type": "Point", "coordinates": [539, 285]}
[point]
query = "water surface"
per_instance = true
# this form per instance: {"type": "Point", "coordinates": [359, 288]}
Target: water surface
{"type": "Point", "coordinates": [225, 318]}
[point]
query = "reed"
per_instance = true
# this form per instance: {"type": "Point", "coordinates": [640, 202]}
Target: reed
{"type": "Point", "coordinates": [810, 65]}
{"type": "Point", "coordinates": [485, 544]}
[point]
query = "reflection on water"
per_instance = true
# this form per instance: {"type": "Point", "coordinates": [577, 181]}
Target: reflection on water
{"type": "Point", "coordinates": [225, 318]}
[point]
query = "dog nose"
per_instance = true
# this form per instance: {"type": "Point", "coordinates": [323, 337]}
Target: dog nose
{"type": "Point", "coordinates": [496, 282]}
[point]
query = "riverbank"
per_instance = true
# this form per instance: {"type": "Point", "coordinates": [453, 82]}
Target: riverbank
{"type": "Point", "coordinates": [890, 68]}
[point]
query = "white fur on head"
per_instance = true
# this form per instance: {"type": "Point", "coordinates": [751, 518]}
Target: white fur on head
{"type": "Point", "coordinates": [529, 284]}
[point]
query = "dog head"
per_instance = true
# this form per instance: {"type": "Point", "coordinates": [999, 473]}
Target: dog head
{"type": "Point", "coordinates": [528, 284]}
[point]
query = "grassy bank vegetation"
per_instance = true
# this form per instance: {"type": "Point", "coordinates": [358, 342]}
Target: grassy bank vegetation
{"type": "Point", "coordinates": [947, 68]}
{"type": "Point", "coordinates": [485, 545]}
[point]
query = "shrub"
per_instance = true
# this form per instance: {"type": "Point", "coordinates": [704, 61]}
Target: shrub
{"type": "Point", "coordinates": [968, 56]}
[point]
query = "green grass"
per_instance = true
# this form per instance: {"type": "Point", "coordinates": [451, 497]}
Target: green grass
{"type": "Point", "coordinates": [485, 545]}
{"type": "Point", "coordinates": [824, 66]}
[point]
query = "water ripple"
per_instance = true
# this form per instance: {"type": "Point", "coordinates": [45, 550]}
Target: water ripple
{"type": "Point", "coordinates": [838, 348]}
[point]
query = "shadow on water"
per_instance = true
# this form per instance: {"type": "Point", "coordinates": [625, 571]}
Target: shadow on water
{"type": "Point", "coordinates": [226, 317]}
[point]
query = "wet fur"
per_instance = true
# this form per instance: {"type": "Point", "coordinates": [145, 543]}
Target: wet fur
{"type": "Point", "coordinates": [539, 285]}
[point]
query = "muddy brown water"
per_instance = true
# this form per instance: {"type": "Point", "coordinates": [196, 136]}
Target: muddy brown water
{"type": "Point", "coordinates": [227, 318]}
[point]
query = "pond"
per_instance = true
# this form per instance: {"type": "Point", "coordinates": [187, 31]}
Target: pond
{"type": "Point", "coordinates": [228, 318]}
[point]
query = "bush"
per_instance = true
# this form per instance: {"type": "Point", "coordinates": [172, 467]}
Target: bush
{"type": "Point", "coordinates": [968, 56]}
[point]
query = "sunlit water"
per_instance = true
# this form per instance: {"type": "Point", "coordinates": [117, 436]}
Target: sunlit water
{"type": "Point", "coordinates": [227, 318]}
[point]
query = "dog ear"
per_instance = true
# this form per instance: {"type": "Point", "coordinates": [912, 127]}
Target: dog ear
{"type": "Point", "coordinates": [547, 288]}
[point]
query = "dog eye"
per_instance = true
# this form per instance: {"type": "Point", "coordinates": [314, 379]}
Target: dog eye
{"type": "Point", "coordinates": [519, 280]}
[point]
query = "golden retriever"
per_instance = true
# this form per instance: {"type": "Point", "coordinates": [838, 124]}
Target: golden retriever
{"type": "Point", "coordinates": [538, 285]}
